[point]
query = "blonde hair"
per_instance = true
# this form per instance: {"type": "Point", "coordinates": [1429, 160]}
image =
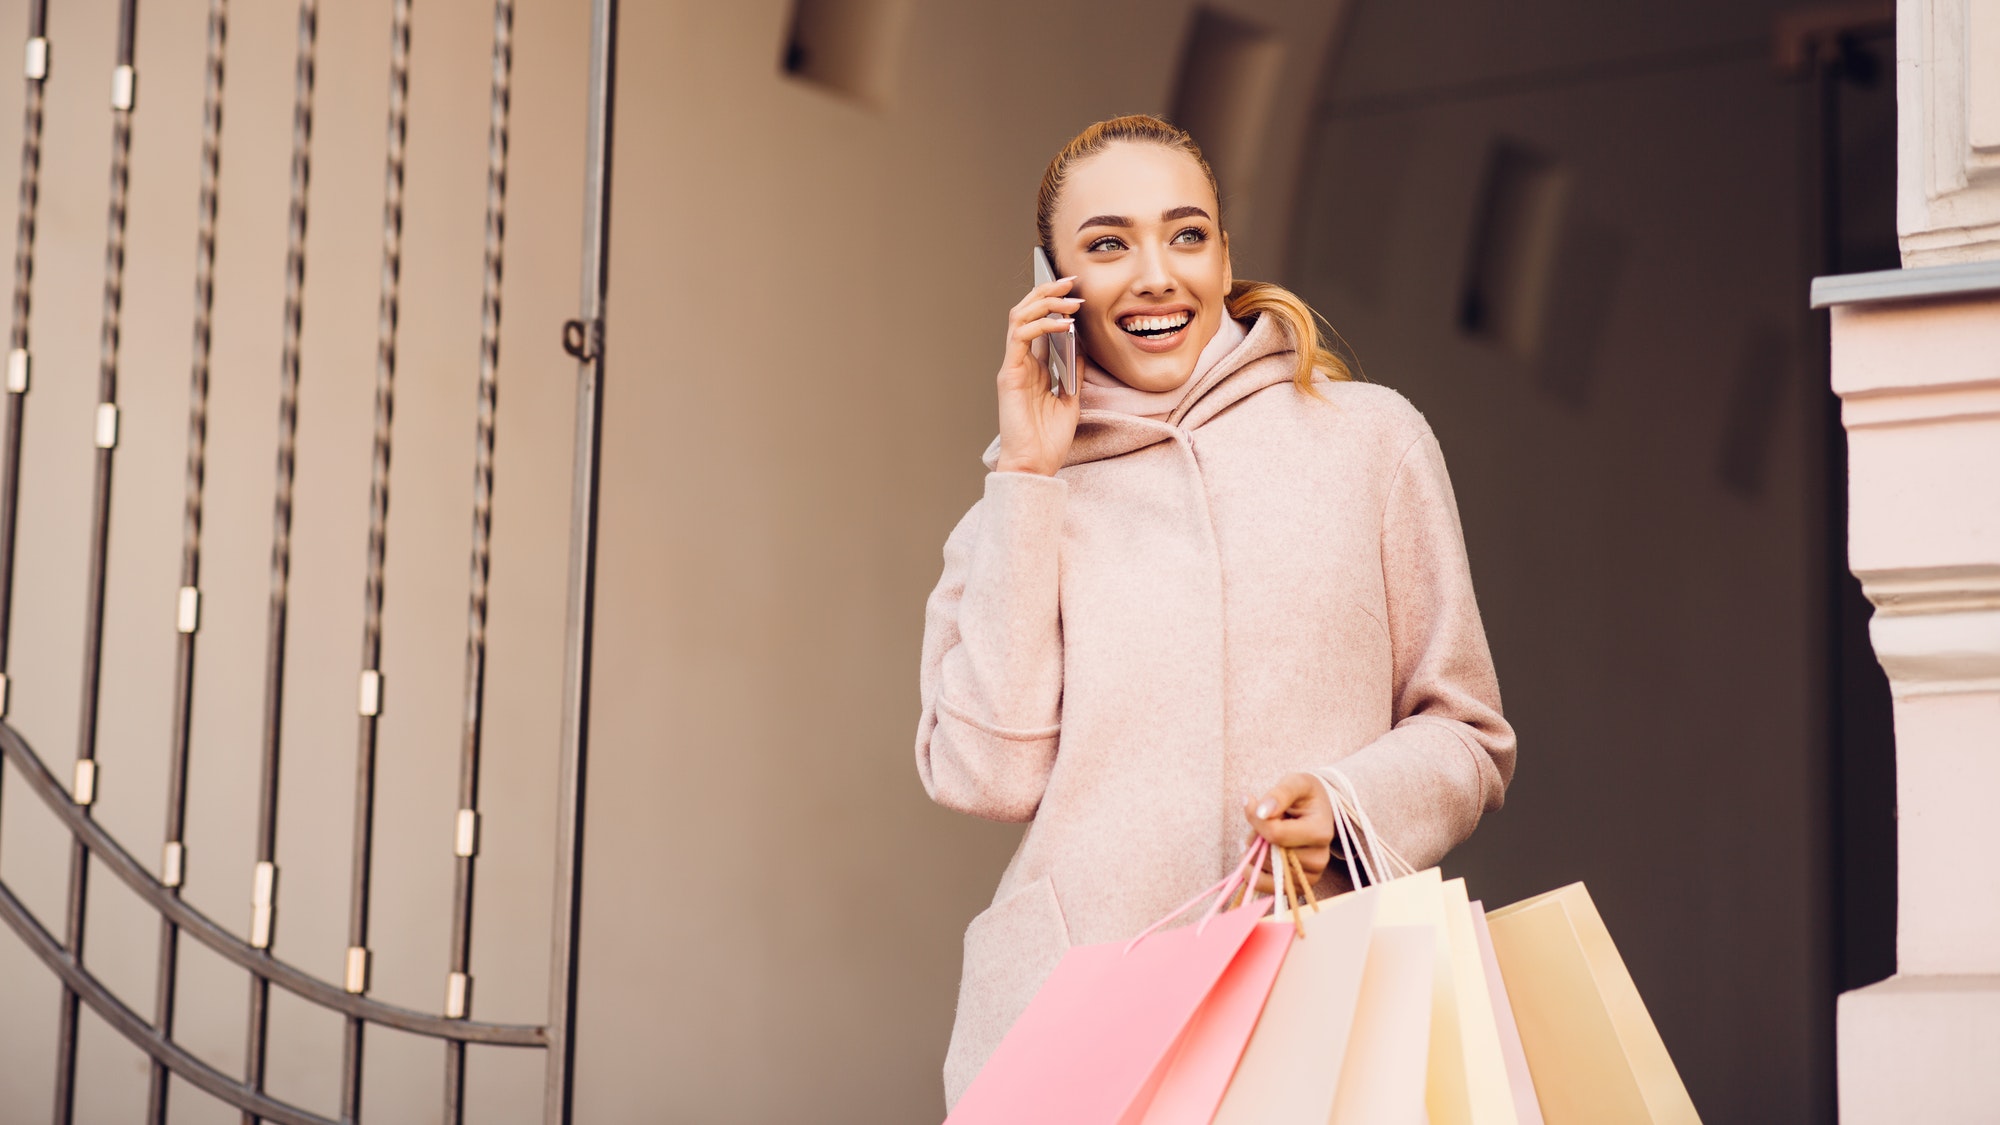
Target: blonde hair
{"type": "Point", "coordinates": [1246, 298]}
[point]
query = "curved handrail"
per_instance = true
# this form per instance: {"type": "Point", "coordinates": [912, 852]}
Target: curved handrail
{"type": "Point", "coordinates": [138, 1030]}
{"type": "Point", "coordinates": [242, 953]}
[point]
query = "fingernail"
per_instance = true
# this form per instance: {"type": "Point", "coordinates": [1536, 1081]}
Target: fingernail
{"type": "Point", "coordinates": [1265, 809]}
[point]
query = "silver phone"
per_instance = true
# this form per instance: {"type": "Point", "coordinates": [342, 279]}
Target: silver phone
{"type": "Point", "coordinates": [1057, 350]}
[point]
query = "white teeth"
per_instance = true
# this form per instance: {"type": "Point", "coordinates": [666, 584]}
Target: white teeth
{"type": "Point", "coordinates": [1142, 324]}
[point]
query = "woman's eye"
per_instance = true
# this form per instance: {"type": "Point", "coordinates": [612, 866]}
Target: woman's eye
{"type": "Point", "coordinates": [1191, 236]}
{"type": "Point", "coordinates": [1106, 243]}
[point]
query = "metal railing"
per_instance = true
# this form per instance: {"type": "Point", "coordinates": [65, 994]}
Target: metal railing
{"type": "Point", "coordinates": [583, 338]}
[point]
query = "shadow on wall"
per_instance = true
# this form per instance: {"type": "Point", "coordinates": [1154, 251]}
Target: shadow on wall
{"type": "Point", "coordinates": [1579, 239]}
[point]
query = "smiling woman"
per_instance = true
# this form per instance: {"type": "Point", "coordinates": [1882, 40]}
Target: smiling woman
{"type": "Point", "coordinates": [1221, 566]}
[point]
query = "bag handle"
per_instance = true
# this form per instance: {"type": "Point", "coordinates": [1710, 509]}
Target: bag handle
{"type": "Point", "coordinates": [1288, 876]}
{"type": "Point", "coordinates": [1379, 861]}
{"type": "Point", "coordinates": [1221, 891]}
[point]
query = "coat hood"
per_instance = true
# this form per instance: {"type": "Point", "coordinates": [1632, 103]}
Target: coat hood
{"type": "Point", "coordinates": [1265, 357]}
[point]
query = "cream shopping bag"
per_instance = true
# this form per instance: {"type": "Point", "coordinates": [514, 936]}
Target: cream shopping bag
{"type": "Point", "coordinates": [1382, 1079]}
{"type": "Point", "coordinates": [1289, 1070]}
{"type": "Point", "coordinates": [1466, 1081]}
{"type": "Point", "coordinates": [1526, 1107]}
{"type": "Point", "coordinates": [1595, 1055]}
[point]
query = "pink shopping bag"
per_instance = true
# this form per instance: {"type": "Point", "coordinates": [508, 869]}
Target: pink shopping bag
{"type": "Point", "coordinates": [1193, 1083]}
{"type": "Point", "coordinates": [1093, 1042]}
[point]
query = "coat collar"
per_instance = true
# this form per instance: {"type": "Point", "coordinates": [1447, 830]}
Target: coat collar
{"type": "Point", "coordinates": [1264, 358]}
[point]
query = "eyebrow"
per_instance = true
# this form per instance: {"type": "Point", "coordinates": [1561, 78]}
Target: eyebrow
{"type": "Point", "coordinates": [1182, 212]}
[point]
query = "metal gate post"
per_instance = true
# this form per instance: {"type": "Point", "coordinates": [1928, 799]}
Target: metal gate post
{"type": "Point", "coordinates": [584, 339]}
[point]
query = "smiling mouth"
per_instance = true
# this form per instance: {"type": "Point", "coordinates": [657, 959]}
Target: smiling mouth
{"type": "Point", "coordinates": [1156, 327]}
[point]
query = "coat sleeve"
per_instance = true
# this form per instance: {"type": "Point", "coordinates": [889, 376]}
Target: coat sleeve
{"type": "Point", "coordinates": [1449, 755]}
{"type": "Point", "coordinates": [991, 679]}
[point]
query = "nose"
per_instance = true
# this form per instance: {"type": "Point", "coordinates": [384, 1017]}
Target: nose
{"type": "Point", "coordinates": [1152, 278]}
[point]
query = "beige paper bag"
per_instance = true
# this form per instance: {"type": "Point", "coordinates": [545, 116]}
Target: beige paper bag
{"type": "Point", "coordinates": [1467, 1080]}
{"type": "Point", "coordinates": [1292, 1063]}
{"type": "Point", "coordinates": [1382, 1079]}
{"type": "Point", "coordinates": [1595, 1055]}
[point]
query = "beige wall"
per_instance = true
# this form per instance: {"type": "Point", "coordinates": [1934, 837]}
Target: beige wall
{"type": "Point", "coordinates": [806, 298]}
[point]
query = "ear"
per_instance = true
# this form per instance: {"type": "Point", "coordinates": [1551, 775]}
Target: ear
{"type": "Point", "coordinates": [1228, 268]}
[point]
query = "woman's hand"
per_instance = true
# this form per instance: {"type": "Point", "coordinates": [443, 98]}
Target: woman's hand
{"type": "Point", "coordinates": [1036, 427]}
{"type": "Point", "coordinates": [1297, 815]}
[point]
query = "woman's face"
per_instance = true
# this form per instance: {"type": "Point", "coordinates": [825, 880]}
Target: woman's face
{"type": "Point", "coordinates": [1136, 225]}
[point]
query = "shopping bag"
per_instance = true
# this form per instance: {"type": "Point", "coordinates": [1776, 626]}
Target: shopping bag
{"type": "Point", "coordinates": [1291, 1066]}
{"type": "Point", "coordinates": [1466, 1079]}
{"type": "Point", "coordinates": [1594, 1053]}
{"type": "Point", "coordinates": [1192, 1085]}
{"type": "Point", "coordinates": [1526, 1107]}
{"type": "Point", "coordinates": [1094, 1039]}
{"type": "Point", "coordinates": [1489, 1097]}
{"type": "Point", "coordinates": [1382, 1078]}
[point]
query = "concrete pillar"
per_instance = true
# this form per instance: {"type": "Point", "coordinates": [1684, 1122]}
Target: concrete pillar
{"type": "Point", "coordinates": [1916, 363]}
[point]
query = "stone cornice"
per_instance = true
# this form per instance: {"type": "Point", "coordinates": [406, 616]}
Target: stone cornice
{"type": "Point", "coordinates": [1916, 283]}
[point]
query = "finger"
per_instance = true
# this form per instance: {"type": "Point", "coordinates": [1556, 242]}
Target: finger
{"type": "Point", "coordinates": [1292, 833]}
{"type": "Point", "coordinates": [1314, 860]}
{"type": "Point", "coordinates": [1042, 292]}
{"type": "Point", "coordinates": [1058, 286]}
{"type": "Point", "coordinates": [1040, 326]}
{"type": "Point", "coordinates": [1263, 883]}
{"type": "Point", "coordinates": [1043, 306]}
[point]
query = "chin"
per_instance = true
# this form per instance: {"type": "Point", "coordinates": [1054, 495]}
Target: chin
{"type": "Point", "coordinates": [1157, 376]}
{"type": "Point", "coordinates": [1155, 371]}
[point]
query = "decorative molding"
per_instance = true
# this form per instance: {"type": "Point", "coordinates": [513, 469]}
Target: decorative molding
{"type": "Point", "coordinates": [1941, 589]}
{"type": "Point", "coordinates": [1939, 653]}
{"type": "Point", "coordinates": [1948, 190]}
{"type": "Point", "coordinates": [1936, 630]}
{"type": "Point", "coordinates": [1898, 406]}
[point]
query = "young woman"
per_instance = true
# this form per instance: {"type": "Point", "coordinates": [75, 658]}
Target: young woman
{"type": "Point", "coordinates": [1219, 567]}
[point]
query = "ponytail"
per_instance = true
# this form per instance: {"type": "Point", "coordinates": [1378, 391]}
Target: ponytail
{"type": "Point", "coordinates": [1300, 324]}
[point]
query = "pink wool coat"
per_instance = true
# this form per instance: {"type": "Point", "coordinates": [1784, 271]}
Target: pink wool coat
{"type": "Point", "coordinates": [1191, 608]}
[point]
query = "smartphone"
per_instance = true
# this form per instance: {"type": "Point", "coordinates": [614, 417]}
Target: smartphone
{"type": "Point", "coordinates": [1057, 350]}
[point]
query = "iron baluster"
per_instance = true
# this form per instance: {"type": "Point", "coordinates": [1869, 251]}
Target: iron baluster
{"type": "Point", "coordinates": [378, 539]}
{"type": "Point", "coordinates": [35, 71]}
{"type": "Point", "coordinates": [263, 917]}
{"type": "Point", "coordinates": [84, 786]}
{"type": "Point", "coordinates": [465, 844]}
{"type": "Point", "coordinates": [187, 617]}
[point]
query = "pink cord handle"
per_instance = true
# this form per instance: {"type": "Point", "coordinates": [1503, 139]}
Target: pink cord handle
{"type": "Point", "coordinates": [1221, 891]}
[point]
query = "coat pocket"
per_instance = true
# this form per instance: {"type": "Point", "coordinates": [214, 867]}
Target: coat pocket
{"type": "Point", "coordinates": [1010, 949]}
